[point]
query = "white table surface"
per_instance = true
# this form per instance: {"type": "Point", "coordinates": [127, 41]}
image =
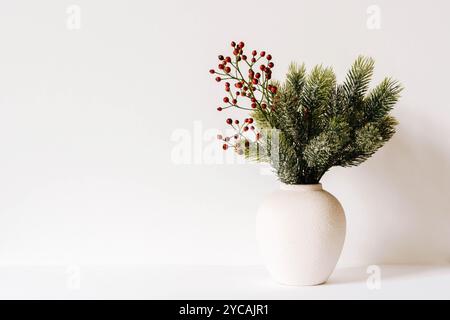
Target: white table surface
{"type": "Point", "coordinates": [214, 282]}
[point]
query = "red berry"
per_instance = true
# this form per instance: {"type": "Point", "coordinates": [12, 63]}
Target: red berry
{"type": "Point", "coordinates": [227, 69]}
{"type": "Point", "coordinates": [271, 64]}
{"type": "Point", "coordinates": [253, 100]}
{"type": "Point", "coordinates": [253, 105]}
{"type": "Point", "coordinates": [235, 52]}
{"type": "Point", "coordinates": [244, 57]}
{"type": "Point", "coordinates": [227, 89]}
{"type": "Point", "coordinates": [228, 59]}
{"type": "Point", "coordinates": [250, 120]}
{"type": "Point", "coordinates": [238, 93]}
{"type": "Point", "coordinates": [236, 121]}
{"type": "Point", "coordinates": [262, 67]}
{"type": "Point", "coordinates": [254, 53]}
{"type": "Point", "coordinates": [238, 85]}
{"type": "Point", "coordinates": [229, 121]}
{"type": "Point", "coordinates": [263, 106]}
{"type": "Point", "coordinates": [233, 44]}
{"type": "Point", "coordinates": [247, 143]}
{"type": "Point", "coordinates": [221, 57]}
{"type": "Point", "coordinates": [262, 54]}
{"type": "Point", "coordinates": [226, 99]}
{"type": "Point", "coordinates": [234, 101]}
{"type": "Point", "coordinates": [241, 44]}
{"type": "Point", "coordinates": [219, 109]}
{"type": "Point", "coordinates": [252, 128]}
{"type": "Point", "coordinates": [255, 81]}
{"type": "Point", "coordinates": [221, 66]}
{"type": "Point", "coordinates": [253, 60]}
{"type": "Point", "coordinates": [225, 146]}
{"type": "Point", "coordinates": [218, 79]}
{"type": "Point", "coordinates": [227, 84]}
{"type": "Point", "coordinates": [212, 71]}
{"type": "Point", "coordinates": [269, 57]}
{"type": "Point", "coordinates": [258, 75]}
{"type": "Point", "coordinates": [273, 90]}
{"type": "Point", "coordinates": [245, 128]}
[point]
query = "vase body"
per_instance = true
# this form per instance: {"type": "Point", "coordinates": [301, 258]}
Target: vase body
{"type": "Point", "coordinates": [300, 232]}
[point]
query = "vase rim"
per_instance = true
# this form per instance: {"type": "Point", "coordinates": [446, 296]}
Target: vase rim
{"type": "Point", "coordinates": [301, 187]}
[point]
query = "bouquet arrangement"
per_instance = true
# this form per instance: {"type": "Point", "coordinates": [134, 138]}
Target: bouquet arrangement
{"type": "Point", "coordinates": [308, 123]}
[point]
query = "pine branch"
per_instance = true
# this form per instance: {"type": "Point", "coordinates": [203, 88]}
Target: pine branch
{"type": "Point", "coordinates": [382, 99]}
{"type": "Point", "coordinates": [358, 79]}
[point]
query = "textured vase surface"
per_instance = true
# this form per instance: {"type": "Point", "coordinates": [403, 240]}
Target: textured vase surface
{"type": "Point", "coordinates": [301, 231]}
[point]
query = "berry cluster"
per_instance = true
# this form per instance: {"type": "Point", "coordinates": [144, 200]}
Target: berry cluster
{"type": "Point", "coordinates": [239, 141]}
{"type": "Point", "coordinates": [248, 86]}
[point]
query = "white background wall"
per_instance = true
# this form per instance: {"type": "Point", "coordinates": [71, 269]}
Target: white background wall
{"type": "Point", "coordinates": [88, 117]}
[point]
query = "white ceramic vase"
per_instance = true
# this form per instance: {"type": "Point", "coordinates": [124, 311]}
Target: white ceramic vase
{"type": "Point", "coordinates": [301, 232]}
